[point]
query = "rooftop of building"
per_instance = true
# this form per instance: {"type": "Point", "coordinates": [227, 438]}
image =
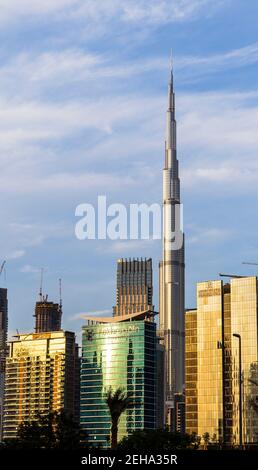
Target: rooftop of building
{"type": "Point", "coordinates": [44, 335]}
{"type": "Point", "coordinates": [137, 316]}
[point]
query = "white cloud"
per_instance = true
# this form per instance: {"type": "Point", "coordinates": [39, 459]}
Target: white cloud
{"type": "Point", "coordinates": [218, 138]}
{"type": "Point", "coordinates": [210, 235]}
{"type": "Point", "coordinates": [16, 254]}
{"type": "Point", "coordinates": [127, 11]}
{"type": "Point", "coordinates": [125, 247]}
{"type": "Point", "coordinates": [83, 315]}
{"type": "Point", "coordinates": [27, 75]}
{"type": "Point", "coordinates": [192, 67]}
{"type": "Point", "coordinates": [28, 269]}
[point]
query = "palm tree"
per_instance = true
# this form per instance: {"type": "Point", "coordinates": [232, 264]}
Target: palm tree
{"type": "Point", "coordinates": [117, 401]}
{"type": "Point", "coordinates": [206, 439]}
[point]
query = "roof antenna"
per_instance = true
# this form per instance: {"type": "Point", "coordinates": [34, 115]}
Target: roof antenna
{"type": "Point", "coordinates": [60, 294]}
{"type": "Point", "coordinates": [41, 284]}
{"type": "Point", "coordinates": [171, 66]}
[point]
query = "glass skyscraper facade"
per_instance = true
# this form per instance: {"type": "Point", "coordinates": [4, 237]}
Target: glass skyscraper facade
{"type": "Point", "coordinates": [118, 355]}
{"type": "Point", "coordinates": [191, 404]}
{"type": "Point", "coordinates": [209, 356]}
{"type": "Point", "coordinates": [212, 361]}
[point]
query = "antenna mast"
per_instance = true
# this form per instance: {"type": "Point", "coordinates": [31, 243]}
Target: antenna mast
{"type": "Point", "coordinates": [2, 267]}
{"type": "Point", "coordinates": [60, 294]}
{"type": "Point", "coordinates": [41, 284]}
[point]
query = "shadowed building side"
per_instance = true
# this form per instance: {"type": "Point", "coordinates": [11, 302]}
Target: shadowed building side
{"type": "Point", "coordinates": [48, 316]}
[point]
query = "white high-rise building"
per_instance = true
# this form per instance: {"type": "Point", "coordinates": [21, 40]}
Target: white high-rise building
{"type": "Point", "coordinates": [172, 267]}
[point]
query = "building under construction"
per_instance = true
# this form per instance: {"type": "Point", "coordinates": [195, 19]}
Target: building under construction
{"type": "Point", "coordinates": [48, 316]}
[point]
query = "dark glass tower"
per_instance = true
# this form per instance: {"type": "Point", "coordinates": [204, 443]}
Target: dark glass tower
{"type": "Point", "coordinates": [134, 286]}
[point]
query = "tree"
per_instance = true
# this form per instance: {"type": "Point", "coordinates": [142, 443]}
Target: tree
{"type": "Point", "coordinates": [55, 430]}
{"type": "Point", "coordinates": [195, 440]}
{"type": "Point", "coordinates": [158, 440]}
{"type": "Point", "coordinates": [206, 439]}
{"type": "Point", "coordinates": [117, 401]}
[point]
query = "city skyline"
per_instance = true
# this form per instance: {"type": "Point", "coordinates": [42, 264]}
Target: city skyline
{"type": "Point", "coordinates": [62, 144]}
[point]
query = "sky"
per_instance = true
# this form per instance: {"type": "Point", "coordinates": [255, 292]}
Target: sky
{"type": "Point", "coordinates": [83, 91]}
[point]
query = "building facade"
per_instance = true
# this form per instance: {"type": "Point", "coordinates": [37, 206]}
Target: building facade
{"type": "Point", "coordinates": [40, 378]}
{"type": "Point", "coordinates": [134, 291]}
{"type": "Point", "coordinates": [191, 365]}
{"type": "Point", "coordinates": [172, 267]}
{"type": "Point", "coordinates": [3, 348]}
{"type": "Point", "coordinates": [118, 354]}
{"type": "Point", "coordinates": [48, 316]}
{"type": "Point", "coordinates": [179, 413]}
{"type": "Point", "coordinates": [212, 361]}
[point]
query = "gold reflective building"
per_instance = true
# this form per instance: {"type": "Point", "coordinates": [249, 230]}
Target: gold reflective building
{"type": "Point", "coordinates": [41, 376]}
{"type": "Point", "coordinates": [212, 361]}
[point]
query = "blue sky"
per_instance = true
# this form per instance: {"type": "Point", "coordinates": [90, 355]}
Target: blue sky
{"type": "Point", "coordinates": [83, 87]}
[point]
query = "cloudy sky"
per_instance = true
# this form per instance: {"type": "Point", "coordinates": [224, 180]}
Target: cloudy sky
{"type": "Point", "coordinates": [83, 88]}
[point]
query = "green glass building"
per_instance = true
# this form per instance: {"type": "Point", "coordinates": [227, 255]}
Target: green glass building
{"type": "Point", "coordinates": [118, 353]}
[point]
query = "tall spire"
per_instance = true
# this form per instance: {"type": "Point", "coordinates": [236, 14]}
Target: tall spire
{"type": "Point", "coordinates": [171, 123]}
{"type": "Point", "coordinates": [171, 69]}
{"type": "Point", "coordinates": [172, 265]}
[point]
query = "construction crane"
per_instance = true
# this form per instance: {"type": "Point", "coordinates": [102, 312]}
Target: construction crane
{"type": "Point", "coordinates": [41, 284]}
{"type": "Point", "coordinates": [2, 266]}
{"type": "Point", "coordinates": [60, 294]}
{"type": "Point", "coordinates": [252, 264]}
{"type": "Point", "coordinates": [231, 275]}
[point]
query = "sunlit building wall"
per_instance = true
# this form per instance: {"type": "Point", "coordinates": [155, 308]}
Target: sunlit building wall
{"type": "Point", "coordinates": [40, 378]}
{"type": "Point", "coordinates": [222, 311]}
{"type": "Point", "coordinates": [209, 359]}
{"type": "Point", "coordinates": [191, 403]}
{"type": "Point", "coordinates": [244, 319]}
{"type": "Point", "coordinates": [3, 348]}
{"type": "Point", "coordinates": [118, 355]}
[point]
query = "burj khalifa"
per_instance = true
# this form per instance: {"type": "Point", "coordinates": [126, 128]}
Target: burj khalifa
{"type": "Point", "coordinates": [172, 267]}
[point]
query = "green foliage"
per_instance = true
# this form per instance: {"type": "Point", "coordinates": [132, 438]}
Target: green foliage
{"type": "Point", "coordinates": [56, 430]}
{"type": "Point", "coordinates": [157, 441]}
{"type": "Point", "coordinates": [117, 401]}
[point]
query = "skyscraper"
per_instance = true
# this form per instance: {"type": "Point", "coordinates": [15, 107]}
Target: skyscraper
{"type": "Point", "coordinates": [3, 347]}
{"type": "Point", "coordinates": [40, 377]}
{"type": "Point", "coordinates": [48, 316]}
{"type": "Point", "coordinates": [134, 289]}
{"type": "Point", "coordinates": [172, 267]}
{"type": "Point", "coordinates": [118, 352]}
{"type": "Point", "coordinates": [212, 361]}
